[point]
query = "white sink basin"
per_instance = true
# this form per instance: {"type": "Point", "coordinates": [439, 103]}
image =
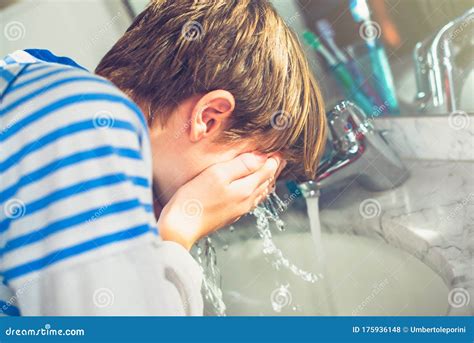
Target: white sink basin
{"type": "Point", "coordinates": [363, 277]}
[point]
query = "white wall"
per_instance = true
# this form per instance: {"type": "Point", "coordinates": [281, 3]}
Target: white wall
{"type": "Point", "coordinates": [81, 29]}
{"type": "Point", "coordinates": [138, 5]}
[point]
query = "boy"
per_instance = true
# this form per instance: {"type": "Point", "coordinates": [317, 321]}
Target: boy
{"type": "Point", "coordinates": [222, 99]}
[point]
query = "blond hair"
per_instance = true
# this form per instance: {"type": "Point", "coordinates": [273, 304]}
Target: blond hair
{"type": "Point", "coordinates": [177, 49]}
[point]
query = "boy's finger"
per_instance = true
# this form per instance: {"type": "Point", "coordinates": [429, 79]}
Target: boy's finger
{"type": "Point", "coordinates": [280, 168]}
{"type": "Point", "coordinates": [260, 193]}
{"type": "Point", "coordinates": [251, 182]}
{"type": "Point", "coordinates": [241, 166]}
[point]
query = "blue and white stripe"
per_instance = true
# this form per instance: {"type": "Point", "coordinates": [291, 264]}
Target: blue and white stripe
{"type": "Point", "coordinates": [75, 170]}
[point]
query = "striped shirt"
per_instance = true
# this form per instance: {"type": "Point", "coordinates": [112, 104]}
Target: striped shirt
{"type": "Point", "coordinates": [75, 177]}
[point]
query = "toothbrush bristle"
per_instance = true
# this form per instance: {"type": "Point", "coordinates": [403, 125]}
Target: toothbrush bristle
{"type": "Point", "coordinates": [325, 28]}
{"type": "Point", "coordinates": [359, 10]}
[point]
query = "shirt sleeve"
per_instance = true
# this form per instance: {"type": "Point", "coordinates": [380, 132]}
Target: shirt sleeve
{"type": "Point", "coordinates": [77, 198]}
{"type": "Point", "coordinates": [158, 278]}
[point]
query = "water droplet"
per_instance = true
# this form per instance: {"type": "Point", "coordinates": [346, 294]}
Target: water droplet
{"type": "Point", "coordinates": [280, 224]}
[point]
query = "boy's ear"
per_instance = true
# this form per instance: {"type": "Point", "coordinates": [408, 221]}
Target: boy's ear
{"type": "Point", "coordinates": [210, 113]}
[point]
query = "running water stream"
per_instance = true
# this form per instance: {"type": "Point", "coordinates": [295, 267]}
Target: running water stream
{"type": "Point", "coordinates": [267, 212]}
{"type": "Point", "coordinates": [312, 204]}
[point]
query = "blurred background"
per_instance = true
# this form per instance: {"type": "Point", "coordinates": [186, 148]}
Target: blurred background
{"type": "Point", "coordinates": [86, 29]}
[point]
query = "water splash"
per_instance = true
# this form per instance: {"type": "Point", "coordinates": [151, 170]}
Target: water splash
{"type": "Point", "coordinates": [268, 210]}
{"type": "Point", "coordinates": [211, 282]}
{"type": "Point", "coordinates": [272, 206]}
{"type": "Point", "coordinates": [264, 213]}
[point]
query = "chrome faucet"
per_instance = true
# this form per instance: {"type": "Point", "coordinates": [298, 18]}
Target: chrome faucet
{"type": "Point", "coordinates": [357, 152]}
{"type": "Point", "coordinates": [433, 59]}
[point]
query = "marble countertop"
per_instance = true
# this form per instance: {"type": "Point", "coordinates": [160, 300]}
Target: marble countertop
{"type": "Point", "coordinates": [436, 137]}
{"type": "Point", "coordinates": [431, 216]}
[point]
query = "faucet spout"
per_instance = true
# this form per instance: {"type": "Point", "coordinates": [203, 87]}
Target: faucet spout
{"type": "Point", "coordinates": [358, 153]}
{"type": "Point", "coordinates": [433, 60]}
{"type": "Point", "coordinates": [309, 189]}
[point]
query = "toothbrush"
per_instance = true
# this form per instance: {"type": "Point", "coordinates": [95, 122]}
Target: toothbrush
{"type": "Point", "coordinates": [340, 71]}
{"type": "Point", "coordinates": [383, 75]}
{"type": "Point", "coordinates": [327, 33]}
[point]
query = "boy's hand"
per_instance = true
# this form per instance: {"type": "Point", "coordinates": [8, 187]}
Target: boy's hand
{"type": "Point", "coordinates": [217, 197]}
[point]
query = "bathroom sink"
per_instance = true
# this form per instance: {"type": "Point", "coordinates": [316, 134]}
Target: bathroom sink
{"type": "Point", "coordinates": [362, 276]}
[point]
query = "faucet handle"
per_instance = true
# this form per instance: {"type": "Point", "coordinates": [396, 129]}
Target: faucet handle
{"type": "Point", "coordinates": [347, 123]}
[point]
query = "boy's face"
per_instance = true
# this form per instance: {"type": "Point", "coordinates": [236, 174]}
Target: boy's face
{"type": "Point", "coordinates": [185, 145]}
